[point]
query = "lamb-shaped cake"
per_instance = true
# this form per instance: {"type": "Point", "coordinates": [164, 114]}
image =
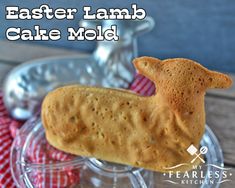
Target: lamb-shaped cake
{"type": "Point", "coordinates": [122, 127]}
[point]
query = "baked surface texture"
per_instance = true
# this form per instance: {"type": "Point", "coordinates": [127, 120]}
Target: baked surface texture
{"type": "Point", "coordinates": [123, 127]}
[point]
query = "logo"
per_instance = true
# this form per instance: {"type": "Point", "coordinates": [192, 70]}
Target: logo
{"type": "Point", "coordinates": [204, 174]}
{"type": "Point", "coordinates": [192, 150]}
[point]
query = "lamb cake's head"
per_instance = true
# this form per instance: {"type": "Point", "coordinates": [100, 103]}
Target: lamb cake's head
{"type": "Point", "coordinates": [180, 81]}
{"type": "Point", "coordinates": [181, 74]}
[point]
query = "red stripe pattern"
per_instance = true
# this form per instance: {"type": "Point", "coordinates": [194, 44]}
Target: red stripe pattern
{"type": "Point", "coordinates": [39, 151]}
{"type": "Point", "coordinates": [5, 144]}
{"type": "Point", "coordinates": [143, 86]}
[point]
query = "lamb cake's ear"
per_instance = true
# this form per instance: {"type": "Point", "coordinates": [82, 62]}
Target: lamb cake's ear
{"type": "Point", "coordinates": [218, 80]}
{"type": "Point", "coordinates": [148, 66]}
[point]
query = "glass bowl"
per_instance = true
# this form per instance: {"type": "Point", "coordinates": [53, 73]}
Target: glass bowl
{"type": "Point", "coordinates": [34, 163]}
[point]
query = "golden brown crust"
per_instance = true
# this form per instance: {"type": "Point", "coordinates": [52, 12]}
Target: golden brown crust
{"type": "Point", "coordinates": [122, 127]}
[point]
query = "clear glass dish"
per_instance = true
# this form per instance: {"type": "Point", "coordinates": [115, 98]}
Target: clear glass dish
{"type": "Point", "coordinates": [31, 167]}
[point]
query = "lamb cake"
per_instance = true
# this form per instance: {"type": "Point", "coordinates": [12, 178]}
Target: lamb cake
{"type": "Point", "coordinates": [122, 127]}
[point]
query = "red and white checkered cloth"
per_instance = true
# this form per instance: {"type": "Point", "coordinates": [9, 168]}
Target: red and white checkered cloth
{"type": "Point", "coordinates": [46, 154]}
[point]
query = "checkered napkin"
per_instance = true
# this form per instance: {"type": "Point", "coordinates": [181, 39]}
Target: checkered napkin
{"type": "Point", "coordinates": [39, 151]}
